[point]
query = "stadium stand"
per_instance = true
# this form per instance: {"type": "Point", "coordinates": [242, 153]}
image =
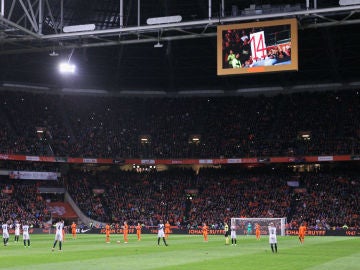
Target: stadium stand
{"type": "Point", "coordinates": [230, 127]}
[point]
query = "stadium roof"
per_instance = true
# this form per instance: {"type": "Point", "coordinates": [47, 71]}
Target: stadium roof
{"type": "Point", "coordinates": [119, 54]}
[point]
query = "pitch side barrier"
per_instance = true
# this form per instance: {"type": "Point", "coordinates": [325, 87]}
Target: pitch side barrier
{"type": "Point", "coordinates": [337, 232]}
{"type": "Point", "coordinates": [153, 230]}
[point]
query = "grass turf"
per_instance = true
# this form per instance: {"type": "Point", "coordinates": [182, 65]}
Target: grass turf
{"type": "Point", "coordinates": [184, 252]}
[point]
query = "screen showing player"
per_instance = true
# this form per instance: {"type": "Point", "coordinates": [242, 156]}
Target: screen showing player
{"type": "Point", "coordinates": [267, 46]}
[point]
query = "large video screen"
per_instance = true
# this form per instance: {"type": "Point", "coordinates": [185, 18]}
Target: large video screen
{"type": "Point", "coordinates": [267, 46]}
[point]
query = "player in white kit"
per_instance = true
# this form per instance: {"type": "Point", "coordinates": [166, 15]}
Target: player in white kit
{"type": "Point", "coordinates": [17, 231]}
{"type": "Point", "coordinates": [161, 233]}
{"type": "Point", "coordinates": [58, 234]}
{"type": "Point", "coordinates": [26, 235]}
{"type": "Point", "coordinates": [5, 229]}
{"type": "Point", "coordinates": [272, 237]}
{"type": "Point", "coordinates": [233, 235]}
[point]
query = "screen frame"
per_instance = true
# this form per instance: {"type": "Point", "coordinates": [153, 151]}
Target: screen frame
{"type": "Point", "coordinates": [293, 66]}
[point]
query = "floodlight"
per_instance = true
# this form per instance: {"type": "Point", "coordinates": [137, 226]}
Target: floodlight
{"type": "Point", "coordinates": [163, 20]}
{"type": "Point", "coordinates": [53, 53]}
{"type": "Point", "coordinates": [158, 45]}
{"type": "Point", "coordinates": [66, 67]}
{"type": "Point", "coordinates": [349, 2]}
{"type": "Point", "coordinates": [79, 28]}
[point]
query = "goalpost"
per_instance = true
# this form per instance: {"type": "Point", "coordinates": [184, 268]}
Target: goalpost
{"type": "Point", "coordinates": [245, 225]}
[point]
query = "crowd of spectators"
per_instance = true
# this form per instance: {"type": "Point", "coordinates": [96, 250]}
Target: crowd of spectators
{"type": "Point", "coordinates": [187, 198]}
{"type": "Point", "coordinates": [112, 127]}
{"type": "Point", "coordinates": [21, 200]}
{"type": "Point", "coordinates": [229, 127]}
{"type": "Point", "coordinates": [213, 195]}
{"type": "Point", "coordinates": [131, 196]}
{"type": "Point", "coordinates": [328, 200]}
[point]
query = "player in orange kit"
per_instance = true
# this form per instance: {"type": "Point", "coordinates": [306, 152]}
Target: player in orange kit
{"type": "Point", "coordinates": [167, 229]}
{"type": "Point", "coordinates": [126, 231]}
{"type": "Point", "coordinates": [73, 230]}
{"type": "Point", "coordinates": [205, 231]}
{"type": "Point", "coordinates": [257, 231]}
{"type": "Point", "coordinates": [107, 233]}
{"type": "Point", "coordinates": [302, 231]}
{"type": "Point", "coordinates": [138, 231]}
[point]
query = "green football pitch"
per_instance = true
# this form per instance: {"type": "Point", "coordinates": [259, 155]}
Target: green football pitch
{"type": "Point", "coordinates": [184, 252]}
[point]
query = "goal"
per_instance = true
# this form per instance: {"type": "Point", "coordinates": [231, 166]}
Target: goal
{"type": "Point", "coordinates": [243, 224]}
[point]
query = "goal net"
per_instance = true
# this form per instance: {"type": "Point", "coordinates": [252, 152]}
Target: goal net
{"type": "Point", "coordinates": [246, 226]}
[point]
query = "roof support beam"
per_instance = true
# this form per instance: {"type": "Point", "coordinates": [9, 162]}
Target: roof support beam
{"type": "Point", "coordinates": [41, 16]}
{"type": "Point", "coordinates": [19, 27]}
{"type": "Point", "coordinates": [209, 10]}
{"type": "Point", "coordinates": [51, 15]}
{"type": "Point", "coordinates": [138, 13]}
{"type": "Point", "coordinates": [24, 15]}
{"type": "Point", "coordinates": [155, 28]}
{"type": "Point", "coordinates": [11, 9]}
{"type": "Point", "coordinates": [29, 41]}
{"type": "Point", "coordinates": [121, 14]}
{"type": "Point", "coordinates": [104, 43]}
{"type": "Point", "coordinates": [31, 17]}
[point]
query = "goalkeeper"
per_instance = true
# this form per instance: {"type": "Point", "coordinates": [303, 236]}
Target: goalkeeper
{"type": "Point", "coordinates": [249, 228]}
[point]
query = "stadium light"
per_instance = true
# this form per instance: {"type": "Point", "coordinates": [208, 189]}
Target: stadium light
{"type": "Point", "coordinates": [349, 2]}
{"type": "Point", "coordinates": [66, 67]}
{"type": "Point", "coordinates": [78, 28]}
{"type": "Point", "coordinates": [158, 44]}
{"type": "Point", "coordinates": [53, 53]}
{"type": "Point", "coordinates": [164, 20]}
{"type": "Point", "coordinates": [2, 11]}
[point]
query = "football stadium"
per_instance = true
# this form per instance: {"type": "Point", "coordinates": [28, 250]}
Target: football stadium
{"type": "Point", "coordinates": [180, 134]}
